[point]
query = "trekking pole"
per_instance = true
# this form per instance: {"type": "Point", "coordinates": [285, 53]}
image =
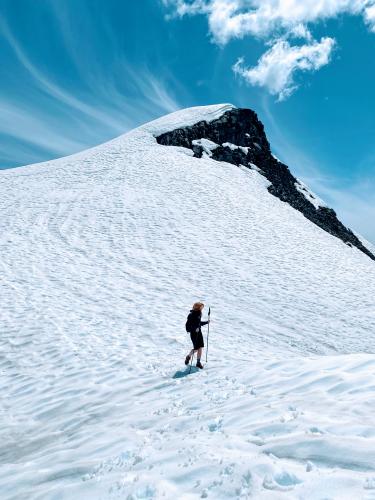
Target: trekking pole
{"type": "Point", "coordinates": [191, 362]}
{"type": "Point", "coordinates": [208, 330]}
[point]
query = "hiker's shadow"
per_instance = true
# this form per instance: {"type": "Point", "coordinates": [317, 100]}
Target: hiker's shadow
{"type": "Point", "coordinates": [184, 373]}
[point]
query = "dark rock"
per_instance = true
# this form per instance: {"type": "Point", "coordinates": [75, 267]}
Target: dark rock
{"type": "Point", "coordinates": [242, 128]}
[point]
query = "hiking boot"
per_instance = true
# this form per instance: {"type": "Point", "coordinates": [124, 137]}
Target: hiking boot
{"type": "Point", "coordinates": [199, 365]}
{"type": "Point", "coordinates": [187, 360]}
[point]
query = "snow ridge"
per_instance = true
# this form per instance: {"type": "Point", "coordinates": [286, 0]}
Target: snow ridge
{"type": "Point", "coordinates": [241, 140]}
{"type": "Point", "coordinates": [186, 117]}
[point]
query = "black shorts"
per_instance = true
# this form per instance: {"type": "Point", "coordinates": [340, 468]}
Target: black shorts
{"type": "Point", "coordinates": [197, 339]}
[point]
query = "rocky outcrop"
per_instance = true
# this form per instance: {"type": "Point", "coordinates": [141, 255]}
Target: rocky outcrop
{"type": "Point", "coordinates": [238, 137]}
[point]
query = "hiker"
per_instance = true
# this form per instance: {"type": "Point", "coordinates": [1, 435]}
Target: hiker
{"type": "Point", "coordinates": [193, 326]}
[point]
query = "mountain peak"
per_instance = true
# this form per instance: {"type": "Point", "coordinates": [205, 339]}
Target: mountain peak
{"type": "Point", "coordinates": [237, 136]}
{"type": "Point", "coordinates": [187, 117]}
{"type": "Point", "coordinates": [102, 255]}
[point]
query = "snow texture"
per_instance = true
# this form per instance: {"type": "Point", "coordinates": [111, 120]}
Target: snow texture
{"type": "Point", "coordinates": [102, 254]}
{"type": "Point", "coordinates": [186, 118]}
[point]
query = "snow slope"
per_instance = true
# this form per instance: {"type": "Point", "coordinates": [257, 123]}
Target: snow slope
{"type": "Point", "coordinates": [102, 254]}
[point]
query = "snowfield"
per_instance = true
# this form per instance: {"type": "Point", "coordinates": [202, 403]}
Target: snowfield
{"type": "Point", "coordinates": [102, 255]}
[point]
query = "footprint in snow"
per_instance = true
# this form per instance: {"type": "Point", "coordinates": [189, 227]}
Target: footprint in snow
{"type": "Point", "coordinates": [114, 463]}
{"type": "Point", "coordinates": [215, 426]}
{"type": "Point", "coordinates": [145, 493]}
{"type": "Point", "coordinates": [246, 485]}
{"type": "Point", "coordinates": [370, 483]}
{"type": "Point", "coordinates": [315, 430]}
{"type": "Point", "coordinates": [228, 470]}
{"type": "Point", "coordinates": [281, 482]}
{"type": "Point", "coordinates": [310, 466]}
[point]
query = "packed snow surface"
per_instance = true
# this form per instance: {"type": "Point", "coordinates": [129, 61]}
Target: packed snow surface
{"type": "Point", "coordinates": [102, 254]}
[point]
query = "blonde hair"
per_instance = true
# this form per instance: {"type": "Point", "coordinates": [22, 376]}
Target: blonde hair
{"type": "Point", "coordinates": [198, 306]}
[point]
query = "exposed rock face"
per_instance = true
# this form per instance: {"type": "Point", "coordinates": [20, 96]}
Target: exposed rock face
{"type": "Point", "coordinates": [239, 138]}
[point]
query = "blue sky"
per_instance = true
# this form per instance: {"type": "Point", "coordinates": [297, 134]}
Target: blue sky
{"type": "Point", "coordinates": [75, 73]}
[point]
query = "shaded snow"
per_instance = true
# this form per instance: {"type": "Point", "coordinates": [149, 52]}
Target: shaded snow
{"type": "Point", "coordinates": [102, 254]}
{"type": "Point", "coordinates": [259, 170]}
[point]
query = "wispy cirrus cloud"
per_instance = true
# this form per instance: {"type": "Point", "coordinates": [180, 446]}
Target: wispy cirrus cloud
{"type": "Point", "coordinates": [353, 198]}
{"type": "Point", "coordinates": [277, 23]}
{"type": "Point", "coordinates": [56, 119]}
{"type": "Point", "coordinates": [50, 88]}
{"type": "Point", "coordinates": [355, 203]}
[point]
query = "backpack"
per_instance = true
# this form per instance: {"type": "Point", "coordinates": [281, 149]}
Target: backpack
{"type": "Point", "coordinates": [188, 324]}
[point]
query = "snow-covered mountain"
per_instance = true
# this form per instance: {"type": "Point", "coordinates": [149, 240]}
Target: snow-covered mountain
{"type": "Point", "coordinates": [102, 254]}
{"type": "Point", "coordinates": [238, 137]}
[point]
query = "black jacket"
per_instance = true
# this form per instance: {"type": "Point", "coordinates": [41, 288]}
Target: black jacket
{"type": "Point", "coordinates": [194, 322]}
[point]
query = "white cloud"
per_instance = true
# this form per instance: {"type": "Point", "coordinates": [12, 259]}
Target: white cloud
{"type": "Point", "coordinates": [182, 7]}
{"type": "Point", "coordinates": [57, 120]}
{"type": "Point", "coordinates": [237, 18]}
{"type": "Point", "coordinates": [369, 15]}
{"type": "Point", "coordinates": [276, 68]}
{"type": "Point", "coordinates": [301, 31]}
{"type": "Point", "coordinates": [275, 22]}
{"type": "Point", "coordinates": [30, 125]}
